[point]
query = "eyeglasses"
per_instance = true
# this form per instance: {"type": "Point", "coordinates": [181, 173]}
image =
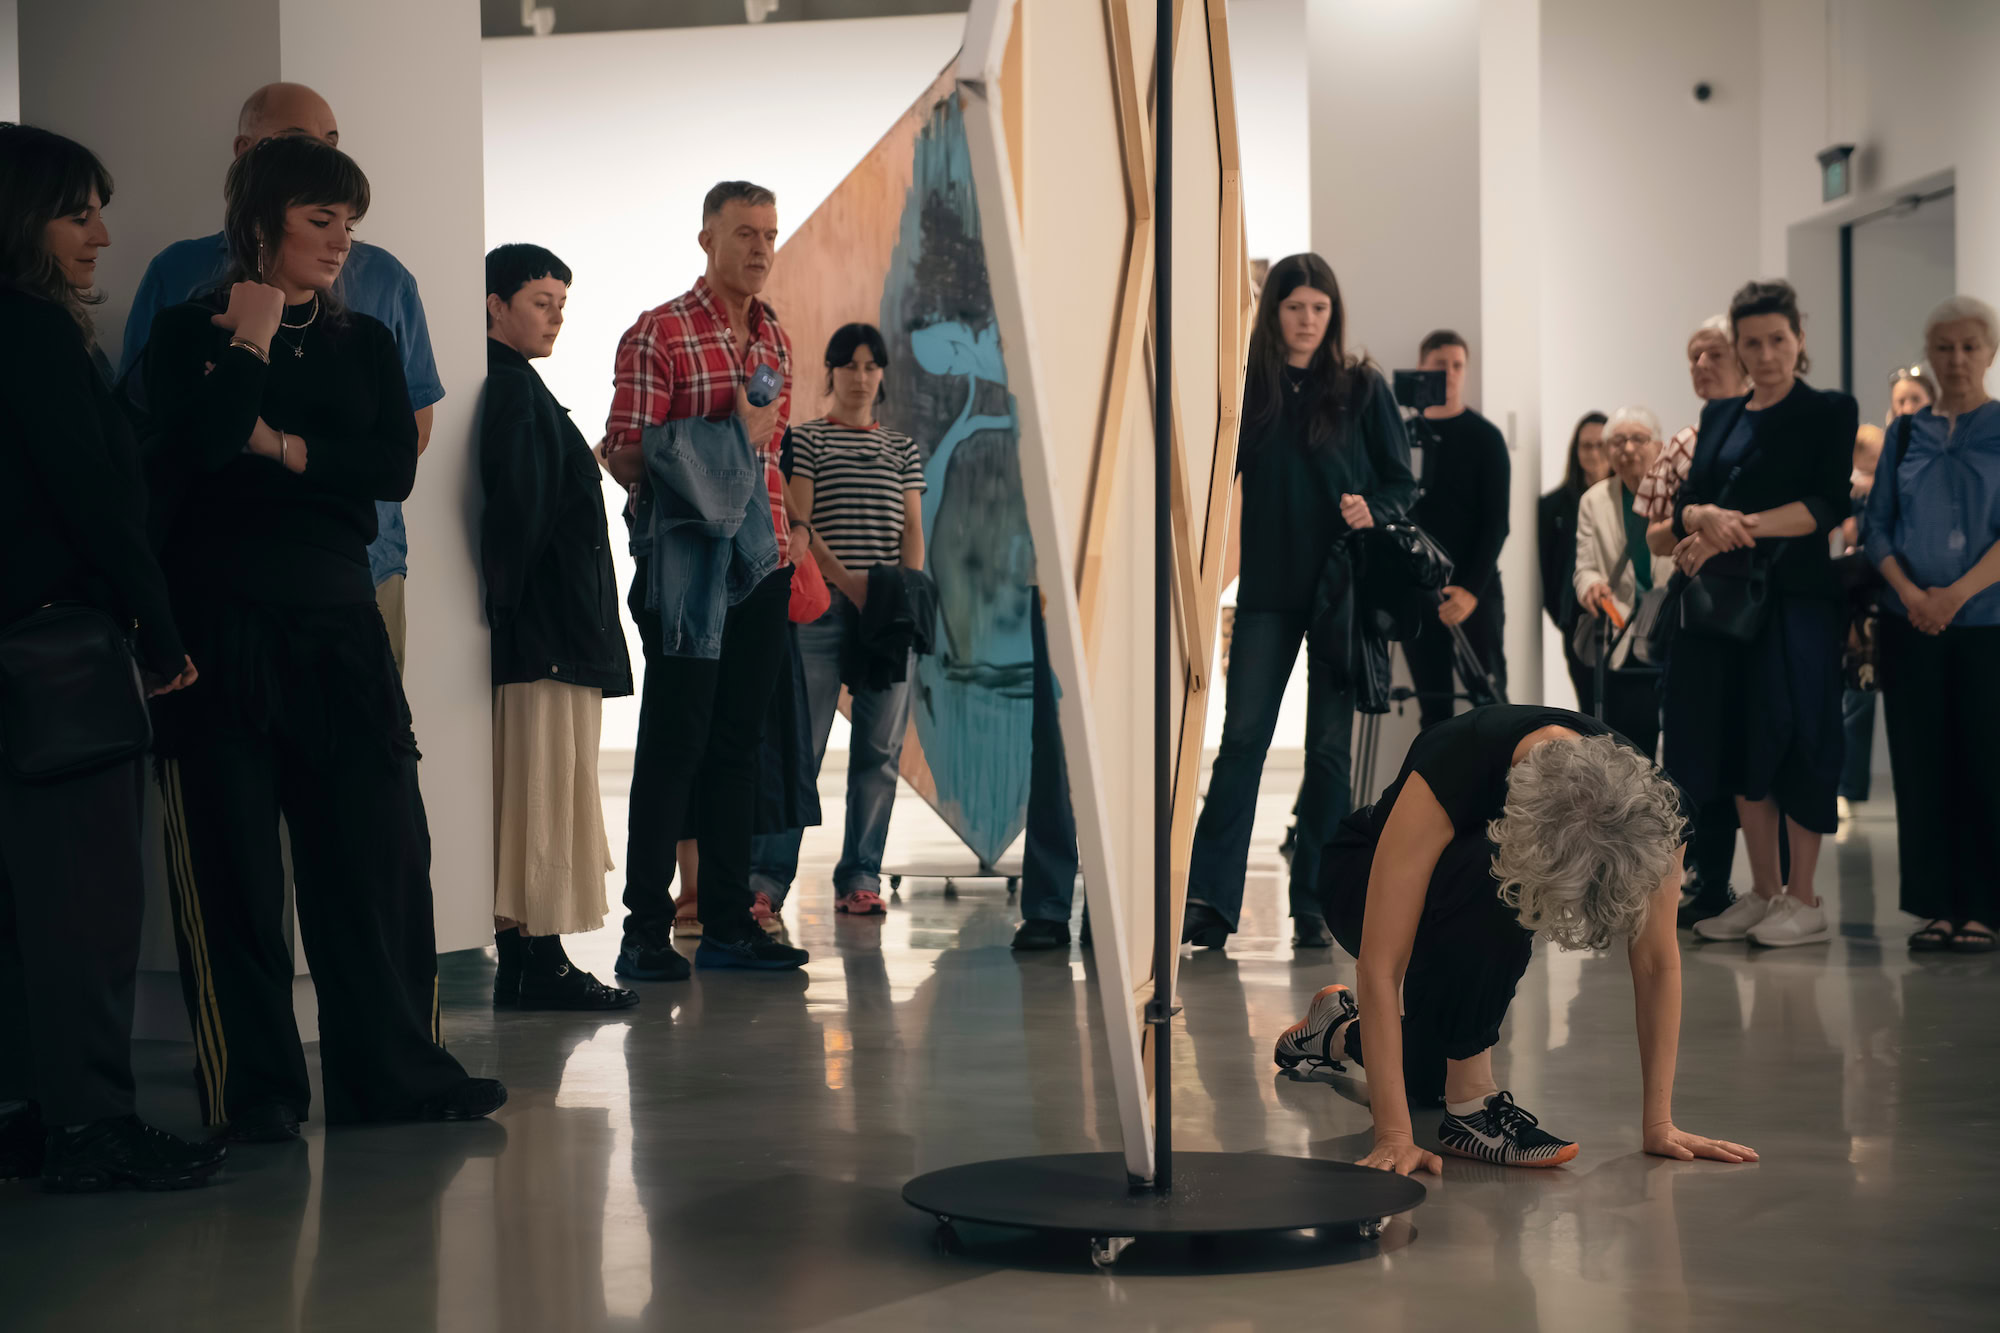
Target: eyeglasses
{"type": "Point", "coordinates": [1627, 441]}
{"type": "Point", "coordinates": [1901, 373]}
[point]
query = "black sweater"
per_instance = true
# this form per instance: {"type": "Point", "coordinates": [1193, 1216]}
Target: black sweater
{"type": "Point", "coordinates": [247, 526]}
{"type": "Point", "coordinates": [551, 593]}
{"type": "Point", "coordinates": [1464, 504]}
{"type": "Point", "coordinates": [72, 525]}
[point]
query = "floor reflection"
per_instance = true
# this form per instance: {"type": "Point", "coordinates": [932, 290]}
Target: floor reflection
{"type": "Point", "coordinates": [730, 1154]}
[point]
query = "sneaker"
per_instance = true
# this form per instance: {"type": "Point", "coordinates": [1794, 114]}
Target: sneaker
{"type": "Point", "coordinates": [1503, 1134]}
{"type": "Point", "coordinates": [472, 1099]}
{"type": "Point", "coordinates": [23, 1144]}
{"type": "Point", "coordinates": [1317, 1037]}
{"type": "Point", "coordinates": [125, 1151]}
{"type": "Point", "coordinates": [1204, 927]}
{"type": "Point", "coordinates": [1698, 907]}
{"type": "Point", "coordinates": [644, 958]}
{"type": "Point", "coordinates": [1310, 932]}
{"type": "Point", "coordinates": [569, 988]}
{"type": "Point", "coordinates": [265, 1122]}
{"type": "Point", "coordinates": [1790, 922]}
{"type": "Point", "coordinates": [1036, 935]}
{"type": "Point", "coordinates": [861, 902]}
{"type": "Point", "coordinates": [1734, 921]}
{"type": "Point", "coordinates": [762, 954]}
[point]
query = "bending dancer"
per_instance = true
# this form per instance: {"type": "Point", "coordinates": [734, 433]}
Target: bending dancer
{"type": "Point", "coordinates": [1506, 823]}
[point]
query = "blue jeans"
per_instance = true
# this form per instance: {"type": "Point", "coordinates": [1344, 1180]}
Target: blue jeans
{"type": "Point", "coordinates": [1048, 870]}
{"type": "Point", "coordinates": [1857, 720]}
{"type": "Point", "coordinates": [1261, 657]}
{"type": "Point", "coordinates": [875, 751]}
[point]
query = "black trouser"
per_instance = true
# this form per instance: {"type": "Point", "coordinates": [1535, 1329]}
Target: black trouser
{"type": "Point", "coordinates": [1469, 954]}
{"type": "Point", "coordinates": [701, 724]}
{"type": "Point", "coordinates": [1582, 679]}
{"type": "Point", "coordinates": [71, 899]}
{"type": "Point", "coordinates": [292, 727]}
{"type": "Point", "coordinates": [1632, 708]}
{"type": "Point", "coordinates": [1942, 694]}
{"type": "Point", "coordinates": [1433, 662]}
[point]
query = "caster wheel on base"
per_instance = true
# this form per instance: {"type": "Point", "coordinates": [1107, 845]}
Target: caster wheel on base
{"type": "Point", "coordinates": [895, 882]}
{"type": "Point", "coordinates": [1104, 1250]}
{"type": "Point", "coordinates": [950, 889]}
{"type": "Point", "coordinates": [1013, 884]}
{"type": "Point", "coordinates": [1371, 1230]}
{"type": "Point", "coordinates": [945, 1239]}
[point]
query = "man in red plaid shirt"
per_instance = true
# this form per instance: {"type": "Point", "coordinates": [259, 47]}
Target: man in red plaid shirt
{"type": "Point", "coordinates": [701, 720]}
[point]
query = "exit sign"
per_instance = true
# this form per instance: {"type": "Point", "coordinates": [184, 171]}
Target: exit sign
{"type": "Point", "coordinates": [1836, 172]}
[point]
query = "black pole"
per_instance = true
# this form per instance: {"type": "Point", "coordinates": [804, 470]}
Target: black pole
{"type": "Point", "coordinates": [1165, 938]}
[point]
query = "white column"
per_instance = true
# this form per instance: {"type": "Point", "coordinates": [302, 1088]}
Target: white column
{"type": "Point", "coordinates": [1510, 245]}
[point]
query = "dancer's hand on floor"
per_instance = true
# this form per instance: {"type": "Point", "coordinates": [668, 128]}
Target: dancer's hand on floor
{"type": "Point", "coordinates": [1402, 1157]}
{"type": "Point", "coordinates": [1667, 1141]}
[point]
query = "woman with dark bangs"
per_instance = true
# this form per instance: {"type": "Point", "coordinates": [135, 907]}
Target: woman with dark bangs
{"type": "Point", "coordinates": [72, 537]}
{"type": "Point", "coordinates": [282, 419]}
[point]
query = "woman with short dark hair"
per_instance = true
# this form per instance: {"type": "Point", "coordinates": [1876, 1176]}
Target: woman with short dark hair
{"type": "Point", "coordinates": [287, 419]}
{"type": "Point", "coordinates": [1752, 690]}
{"type": "Point", "coordinates": [72, 536]}
{"type": "Point", "coordinates": [861, 489]}
{"type": "Point", "coordinates": [1323, 453]}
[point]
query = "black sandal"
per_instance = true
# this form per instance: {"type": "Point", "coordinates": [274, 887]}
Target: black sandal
{"type": "Point", "coordinates": [1972, 939]}
{"type": "Point", "coordinates": [1934, 938]}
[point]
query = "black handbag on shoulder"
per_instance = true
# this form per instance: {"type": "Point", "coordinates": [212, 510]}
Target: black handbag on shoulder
{"type": "Point", "coordinates": [1731, 598]}
{"type": "Point", "coordinates": [71, 699]}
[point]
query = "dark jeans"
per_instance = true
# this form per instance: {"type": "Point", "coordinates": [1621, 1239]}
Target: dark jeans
{"type": "Point", "coordinates": [1857, 723]}
{"type": "Point", "coordinates": [1049, 861]}
{"type": "Point", "coordinates": [701, 723]}
{"type": "Point", "coordinates": [1261, 656]}
{"type": "Point", "coordinates": [1432, 656]}
{"type": "Point", "coordinates": [71, 899]}
{"type": "Point", "coordinates": [1942, 693]}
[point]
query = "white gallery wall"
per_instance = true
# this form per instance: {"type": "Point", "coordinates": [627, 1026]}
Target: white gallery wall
{"type": "Point", "coordinates": [10, 60]}
{"type": "Point", "coordinates": [1267, 40]}
{"type": "Point", "coordinates": [600, 146]}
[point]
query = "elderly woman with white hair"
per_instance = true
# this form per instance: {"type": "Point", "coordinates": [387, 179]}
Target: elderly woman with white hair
{"type": "Point", "coordinates": [1614, 567]}
{"type": "Point", "coordinates": [1934, 530]}
{"type": "Point", "coordinates": [1507, 822]}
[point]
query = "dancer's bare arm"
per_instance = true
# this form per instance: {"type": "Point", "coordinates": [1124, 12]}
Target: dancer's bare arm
{"type": "Point", "coordinates": [1656, 994]}
{"type": "Point", "coordinates": [1417, 833]}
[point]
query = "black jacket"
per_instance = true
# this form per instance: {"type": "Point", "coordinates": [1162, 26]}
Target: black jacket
{"type": "Point", "coordinates": [1804, 451]}
{"type": "Point", "coordinates": [72, 506]}
{"type": "Point", "coordinates": [900, 618]}
{"type": "Point", "coordinates": [551, 595]}
{"type": "Point", "coordinates": [1556, 532]}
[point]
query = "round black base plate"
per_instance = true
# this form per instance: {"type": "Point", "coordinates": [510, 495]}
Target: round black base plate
{"type": "Point", "coordinates": [1213, 1194]}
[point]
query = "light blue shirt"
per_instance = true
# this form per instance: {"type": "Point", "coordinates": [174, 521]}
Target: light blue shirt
{"type": "Point", "coordinates": [372, 283]}
{"type": "Point", "coordinates": [1938, 509]}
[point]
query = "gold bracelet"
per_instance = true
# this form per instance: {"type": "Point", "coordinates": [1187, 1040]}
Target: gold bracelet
{"type": "Point", "coordinates": [251, 348]}
{"type": "Point", "coordinates": [284, 450]}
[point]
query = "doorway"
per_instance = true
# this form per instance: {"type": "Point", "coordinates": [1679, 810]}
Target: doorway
{"type": "Point", "coordinates": [1897, 264]}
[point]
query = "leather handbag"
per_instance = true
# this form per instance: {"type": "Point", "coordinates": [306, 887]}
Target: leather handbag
{"type": "Point", "coordinates": [71, 699]}
{"type": "Point", "coordinates": [1731, 597]}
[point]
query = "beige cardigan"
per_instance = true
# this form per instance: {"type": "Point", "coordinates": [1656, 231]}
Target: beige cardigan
{"type": "Point", "coordinates": [1600, 545]}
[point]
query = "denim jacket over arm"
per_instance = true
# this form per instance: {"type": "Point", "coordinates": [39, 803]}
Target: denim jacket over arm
{"type": "Point", "coordinates": [705, 520]}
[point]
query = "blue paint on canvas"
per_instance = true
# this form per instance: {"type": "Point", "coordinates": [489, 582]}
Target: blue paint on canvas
{"type": "Point", "coordinates": [948, 389]}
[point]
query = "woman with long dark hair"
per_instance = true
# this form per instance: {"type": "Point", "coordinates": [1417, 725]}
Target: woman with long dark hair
{"type": "Point", "coordinates": [288, 419]}
{"type": "Point", "coordinates": [1323, 453]}
{"type": "Point", "coordinates": [1752, 690]}
{"type": "Point", "coordinates": [1556, 530]}
{"type": "Point", "coordinates": [72, 531]}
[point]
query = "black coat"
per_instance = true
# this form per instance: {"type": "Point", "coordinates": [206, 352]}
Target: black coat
{"type": "Point", "coordinates": [1804, 452]}
{"type": "Point", "coordinates": [1556, 532]}
{"type": "Point", "coordinates": [72, 505]}
{"type": "Point", "coordinates": [551, 594]}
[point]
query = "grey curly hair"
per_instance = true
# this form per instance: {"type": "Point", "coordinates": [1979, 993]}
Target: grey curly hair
{"type": "Point", "coordinates": [1589, 830]}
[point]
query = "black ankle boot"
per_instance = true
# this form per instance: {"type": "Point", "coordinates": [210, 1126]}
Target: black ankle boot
{"type": "Point", "coordinates": [550, 981]}
{"type": "Point", "coordinates": [507, 976]}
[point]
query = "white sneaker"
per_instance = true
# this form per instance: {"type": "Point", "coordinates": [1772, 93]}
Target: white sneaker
{"type": "Point", "coordinates": [1790, 922]}
{"type": "Point", "coordinates": [1734, 922]}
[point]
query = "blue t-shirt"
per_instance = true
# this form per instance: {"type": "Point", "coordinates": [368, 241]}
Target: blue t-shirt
{"type": "Point", "coordinates": [1937, 510]}
{"type": "Point", "coordinates": [372, 283]}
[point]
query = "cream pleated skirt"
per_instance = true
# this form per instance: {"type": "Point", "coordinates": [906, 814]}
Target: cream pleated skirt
{"type": "Point", "coordinates": [550, 852]}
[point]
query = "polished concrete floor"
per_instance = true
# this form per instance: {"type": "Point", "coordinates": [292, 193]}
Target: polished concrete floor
{"type": "Point", "coordinates": [728, 1156]}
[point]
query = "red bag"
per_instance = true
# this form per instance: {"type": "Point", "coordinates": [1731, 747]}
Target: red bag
{"type": "Point", "coordinates": [810, 596]}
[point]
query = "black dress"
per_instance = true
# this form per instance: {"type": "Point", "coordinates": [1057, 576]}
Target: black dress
{"type": "Point", "coordinates": [1556, 536]}
{"type": "Point", "coordinates": [1762, 719]}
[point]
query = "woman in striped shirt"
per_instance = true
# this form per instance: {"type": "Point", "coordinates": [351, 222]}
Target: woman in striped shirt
{"type": "Point", "coordinates": [862, 489]}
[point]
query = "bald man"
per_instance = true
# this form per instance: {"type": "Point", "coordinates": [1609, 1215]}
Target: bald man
{"type": "Point", "coordinates": [372, 283]}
